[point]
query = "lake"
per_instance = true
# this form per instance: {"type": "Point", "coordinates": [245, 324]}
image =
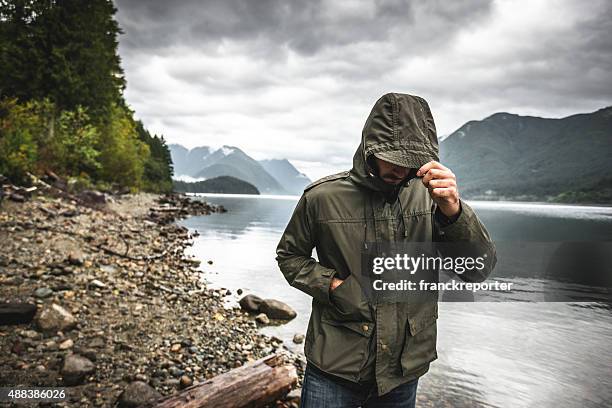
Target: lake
{"type": "Point", "coordinates": [518, 354]}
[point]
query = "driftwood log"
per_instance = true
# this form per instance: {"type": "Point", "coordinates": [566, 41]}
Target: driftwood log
{"type": "Point", "coordinates": [16, 313]}
{"type": "Point", "coordinates": [252, 385]}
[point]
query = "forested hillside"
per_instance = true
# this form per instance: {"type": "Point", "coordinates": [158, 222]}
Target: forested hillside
{"type": "Point", "coordinates": [61, 99]}
{"type": "Point", "coordinates": [507, 156]}
{"type": "Point", "coordinates": [221, 184]}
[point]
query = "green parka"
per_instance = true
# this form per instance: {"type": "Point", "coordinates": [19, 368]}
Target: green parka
{"type": "Point", "coordinates": [347, 335]}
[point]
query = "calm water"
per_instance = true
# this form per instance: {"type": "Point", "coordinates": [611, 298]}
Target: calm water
{"type": "Point", "coordinates": [490, 354]}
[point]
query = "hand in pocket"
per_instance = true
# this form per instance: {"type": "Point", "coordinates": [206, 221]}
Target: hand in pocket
{"type": "Point", "coordinates": [335, 283]}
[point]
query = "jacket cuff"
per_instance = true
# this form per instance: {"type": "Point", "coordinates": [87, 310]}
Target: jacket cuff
{"type": "Point", "coordinates": [460, 228]}
{"type": "Point", "coordinates": [324, 287]}
{"type": "Point", "coordinates": [443, 220]}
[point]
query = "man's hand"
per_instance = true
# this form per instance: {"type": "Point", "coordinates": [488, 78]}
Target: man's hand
{"type": "Point", "coordinates": [442, 186]}
{"type": "Point", "coordinates": [335, 282]}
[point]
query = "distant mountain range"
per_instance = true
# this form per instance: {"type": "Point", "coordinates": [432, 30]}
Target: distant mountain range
{"type": "Point", "coordinates": [502, 157]}
{"type": "Point", "coordinates": [507, 156]}
{"type": "Point", "coordinates": [268, 176]}
{"type": "Point", "coordinates": [287, 175]}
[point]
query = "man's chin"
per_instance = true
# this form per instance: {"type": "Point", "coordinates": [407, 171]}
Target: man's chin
{"type": "Point", "coordinates": [393, 182]}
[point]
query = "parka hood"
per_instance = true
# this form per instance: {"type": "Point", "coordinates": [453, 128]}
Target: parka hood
{"type": "Point", "coordinates": [402, 126]}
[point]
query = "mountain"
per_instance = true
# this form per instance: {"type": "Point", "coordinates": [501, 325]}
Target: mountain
{"type": "Point", "coordinates": [532, 158]}
{"type": "Point", "coordinates": [289, 177]}
{"type": "Point", "coordinates": [234, 162]}
{"type": "Point", "coordinates": [189, 162]}
{"type": "Point", "coordinates": [205, 162]}
{"type": "Point", "coordinates": [222, 184]}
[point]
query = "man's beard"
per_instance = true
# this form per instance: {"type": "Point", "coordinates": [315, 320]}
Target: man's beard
{"type": "Point", "coordinates": [390, 178]}
{"type": "Point", "coordinates": [393, 179]}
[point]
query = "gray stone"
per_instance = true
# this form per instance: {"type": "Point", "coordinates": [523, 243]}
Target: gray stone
{"type": "Point", "coordinates": [66, 344]}
{"type": "Point", "coordinates": [75, 258]}
{"type": "Point", "coordinates": [110, 269]}
{"type": "Point", "coordinates": [43, 293]}
{"type": "Point", "coordinates": [30, 334]}
{"type": "Point", "coordinates": [97, 342]}
{"type": "Point", "coordinates": [298, 338]}
{"type": "Point", "coordinates": [55, 318]}
{"type": "Point", "coordinates": [294, 395]}
{"type": "Point", "coordinates": [275, 309]}
{"type": "Point", "coordinates": [175, 371]}
{"type": "Point", "coordinates": [97, 284]}
{"type": "Point", "coordinates": [136, 394]}
{"type": "Point", "coordinates": [76, 368]}
{"type": "Point", "coordinates": [262, 318]}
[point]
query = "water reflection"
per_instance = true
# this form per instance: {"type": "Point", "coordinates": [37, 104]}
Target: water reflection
{"type": "Point", "coordinates": [490, 354]}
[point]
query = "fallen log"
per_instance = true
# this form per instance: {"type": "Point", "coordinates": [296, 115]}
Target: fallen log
{"type": "Point", "coordinates": [16, 313]}
{"type": "Point", "coordinates": [252, 385]}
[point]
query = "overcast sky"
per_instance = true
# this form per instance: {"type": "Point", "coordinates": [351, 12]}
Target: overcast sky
{"type": "Point", "coordinates": [297, 79]}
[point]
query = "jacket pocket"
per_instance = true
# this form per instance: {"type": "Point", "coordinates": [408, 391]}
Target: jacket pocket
{"type": "Point", "coordinates": [348, 303]}
{"type": "Point", "coordinates": [420, 344]}
{"type": "Point", "coordinates": [341, 347]}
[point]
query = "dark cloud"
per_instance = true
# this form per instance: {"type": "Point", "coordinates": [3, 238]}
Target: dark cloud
{"type": "Point", "coordinates": [296, 79]}
{"type": "Point", "coordinates": [302, 26]}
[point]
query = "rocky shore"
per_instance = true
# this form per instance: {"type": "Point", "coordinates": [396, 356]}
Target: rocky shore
{"type": "Point", "coordinates": [122, 315]}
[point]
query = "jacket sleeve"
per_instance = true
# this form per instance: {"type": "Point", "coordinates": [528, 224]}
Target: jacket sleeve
{"type": "Point", "coordinates": [472, 239]}
{"type": "Point", "coordinates": [294, 256]}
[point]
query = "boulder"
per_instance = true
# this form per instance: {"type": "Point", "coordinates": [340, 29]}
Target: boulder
{"type": "Point", "coordinates": [76, 368]}
{"type": "Point", "coordinates": [250, 303]}
{"type": "Point", "coordinates": [275, 309]}
{"type": "Point", "coordinates": [55, 318]}
{"type": "Point", "coordinates": [136, 394]}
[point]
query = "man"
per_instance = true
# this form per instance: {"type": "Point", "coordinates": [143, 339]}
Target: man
{"type": "Point", "coordinates": [360, 352]}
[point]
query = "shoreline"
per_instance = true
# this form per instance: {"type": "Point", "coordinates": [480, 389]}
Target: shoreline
{"type": "Point", "coordinates": [140, 308]}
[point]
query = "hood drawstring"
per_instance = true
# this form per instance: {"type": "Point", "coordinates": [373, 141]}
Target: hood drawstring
{"type": "Point", "coordinates": [368, 203]}
{"type": "Point", "coordinates": [403, 220]}
{"type": "Point", "coordinates": [375, 227]}
{"type": "Point", "coordinates": [365, 220]}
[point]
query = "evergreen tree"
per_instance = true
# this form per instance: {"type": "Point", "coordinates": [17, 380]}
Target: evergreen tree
{"type": "Point", "coordinates": [61, 98]}
{"type": "Point", "coordinates": [65, 50]}
{"type": "Point", "coordinates": [158, 169]}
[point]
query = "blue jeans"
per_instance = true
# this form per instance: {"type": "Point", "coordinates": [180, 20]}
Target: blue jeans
{"type": "Point", "coordinates": [321, 392]}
